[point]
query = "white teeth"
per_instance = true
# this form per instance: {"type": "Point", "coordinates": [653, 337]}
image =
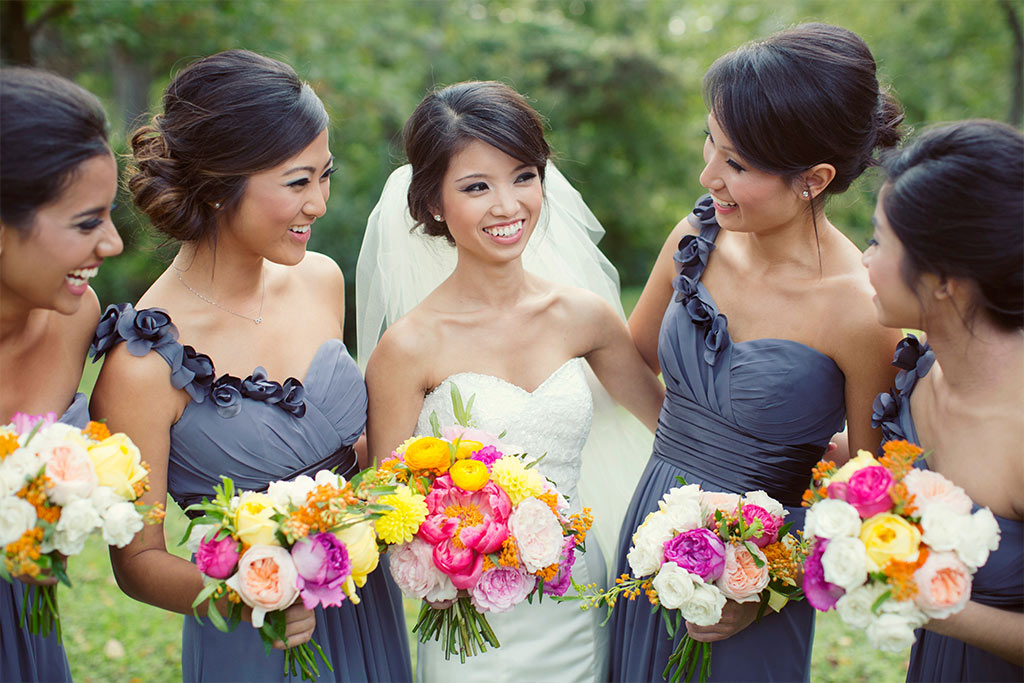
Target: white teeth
{"type": "Point", "coordinates": [80, 276]}
{"type": "Point", "coordinates": [725, 204]}
{"type": "Point", "coordinates": [300, 229]}
{"type": "Point", "coordinates": [505, 230]}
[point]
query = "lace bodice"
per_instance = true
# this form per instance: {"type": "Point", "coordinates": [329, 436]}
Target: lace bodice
{"type": "Point", "coordinates": [554, 418]}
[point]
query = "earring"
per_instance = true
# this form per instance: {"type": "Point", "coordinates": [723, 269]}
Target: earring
{"type": "Point", "coordinates": [438, 217]}
{"type": "Point", "coordinates": [217, 204]}
{"type": "Point", "coordinates": [806, 194]}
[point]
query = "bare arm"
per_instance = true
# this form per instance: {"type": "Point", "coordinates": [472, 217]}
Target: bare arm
{"type": "Point", "coordinates": [998, 631]}
{"type": "Point", "coordinates": [394, 381]}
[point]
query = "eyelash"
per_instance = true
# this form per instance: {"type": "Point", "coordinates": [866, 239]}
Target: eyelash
{"type": "Point", "coordinates": [480, 187]}
{"type": "Point", "coordinates": [872, 242]}
{"type": "Point", "coordinates": [302, 182]}
{"type": "Point", "coordinates": [736, 166]}
{"type": "Point", "coordinates": [93, 223]}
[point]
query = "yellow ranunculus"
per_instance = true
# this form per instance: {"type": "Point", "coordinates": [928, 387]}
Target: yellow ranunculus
{"type": "Point", "coordinates": [428, 453]}
{"type": "Point", "coordinates": [863, 459]}
{"type": "Point", "coordinates": [469, 475]}
{"type": "Point", "coordinates": [118, 464]}
{"type": "Point", "coordinates": [466, 448]}
{"type": "Point", "coordinates": [889, 537]}
{"type": "Point", "coordinates": [361, 543]}
{"type": "Point", "coordinates": [254, 519]}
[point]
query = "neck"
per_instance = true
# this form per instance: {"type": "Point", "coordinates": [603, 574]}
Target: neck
{"type": "Point", "coordinates": [493, 285]}
{"type": "Point", "coordinates": [981, 363]}
{"type": "Point", "coordinates": [224, 275]}
{"type": "Point", "coordinates": [14, 314]}
{"type": "Point", "coordinates": [790, 244]}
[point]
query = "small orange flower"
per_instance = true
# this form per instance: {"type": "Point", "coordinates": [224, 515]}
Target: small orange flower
{"type": "Point", "coordinates": [549, 572]}
{"type": "Point", "coordinates": [900, 575]}
{"type": "Point", "coordinates": [509, 555]}
{"type": "Point", "coordinates": [8, 444]}
{"type": "Point", "coordinates": [97, 431]}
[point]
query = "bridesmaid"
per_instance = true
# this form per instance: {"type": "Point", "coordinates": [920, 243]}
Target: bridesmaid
{"type": "Point", "coordinates": [759, 317]}
{"type": "Point", "coordinates": [237, 168]}
{"type": "Point", "coordinates": [947, 257]}
{"type": "Point", "coordinates": [58, 180]}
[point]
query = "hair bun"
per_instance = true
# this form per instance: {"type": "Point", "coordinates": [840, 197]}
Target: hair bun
{"type": "Point", "coordinates": [889, 119]}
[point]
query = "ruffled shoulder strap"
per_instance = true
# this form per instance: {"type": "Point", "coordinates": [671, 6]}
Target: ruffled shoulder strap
{"type": "Point", "coordinates": [691, 258]}
{"type": "Point", "coordinates": [914, 358]}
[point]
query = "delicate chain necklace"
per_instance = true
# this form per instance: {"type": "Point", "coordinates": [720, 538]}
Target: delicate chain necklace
{"type": "Point", "coordinates": [257, 320]}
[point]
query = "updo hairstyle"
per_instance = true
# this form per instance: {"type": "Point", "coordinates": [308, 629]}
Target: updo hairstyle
{"type": "Point", "coordinates": [48, 127]}
{"type": "Point", "coordinates": [447, 120]}
{"type": "Point", "coordinates": [804, 96]}
{"type": "Point", "coordinates": [225, 117]}
{"type": "Point", "coordinates": [955, 201]}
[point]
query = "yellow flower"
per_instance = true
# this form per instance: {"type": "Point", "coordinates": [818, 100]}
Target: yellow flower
{"type": "Point", "coordinates": [469, 475]}
{"type": "Point", "coordinates": [428, 453]}
{"type": "Point", "coordinates": [253, 519]}
{"type": "Point", "coordinates": [118, 464]}
{"type": "Point", "coordinates": [889, 537]}
{"type": "Point", "coordinates": [519, 483]}
{"type": "Point", "coordinates": [466, 449]}
{"type": "Point", "coordinates": [399, 524]}
{"type": "Point", "coordinates": [863, 459]}
{"type": "Point", "coordinates": [405, 444]}
{"type": "Point", "coordinates": [361, 542]}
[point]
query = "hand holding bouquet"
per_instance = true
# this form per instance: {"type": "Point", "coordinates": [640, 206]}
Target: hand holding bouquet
{"type": "Point", "coordinates": [58, 485]}
{"type": "Point", "coordinates": [892, 546]}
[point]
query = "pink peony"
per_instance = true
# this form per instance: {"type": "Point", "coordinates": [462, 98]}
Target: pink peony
{"type": "Point", "coordinates": [24, 423]}
{"type": "Point", "coordinates": [266, 580]}
{"type": "Point", "coordinates": [71, 473]}
{"type": "Point", "coordinates": [477, 519]}
{"type": "Point", "coordinates": [821, 594]}
{"type": "Point", "coordinates": [560, 584]}
{"type": "Point", "coordinates": [769, 525]}
{"type": "Point", "coordinates": [929, 487]}
{"type": "Point", "coordinates": [538, 534]}
{"type": "Point", "coordinates": [412, 567]}
{"type": "Point", "coordinates": [868, 491]}
{"type": "Point", "coordinates": [217, 559]}
{"type": "Point", "coordinates": [699, 552]}
{"type": "Point", "coordinates": [943, 585]}
{"type": "Point", "coordinates": [742, 580]}
{"type": "Point", "coordinates": [323, 565]}
{"type": "Point", "coordinates": [502, 588]}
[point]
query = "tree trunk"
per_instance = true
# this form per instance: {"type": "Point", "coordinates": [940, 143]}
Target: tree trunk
{"type": "Point", "coordinates": [1016, 116]}
{"type": "Point", "coordinates": [15, 37]}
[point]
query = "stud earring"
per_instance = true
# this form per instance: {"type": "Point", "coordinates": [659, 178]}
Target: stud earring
{"type": "Point", "coordinates": [216, 205]}
{"type": "Point", "coordinates": [806, 194]}
{"type": "Point", "coordinates": [438, 217]}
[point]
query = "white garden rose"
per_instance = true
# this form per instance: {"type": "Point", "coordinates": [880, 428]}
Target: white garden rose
{"type": "Point", "coordinates": [17, 516]}
{"type": "Point", "coordinates": [891, 632]}
{"type": "Point", "coordinates": [832, 518]}
{"type": "Point", "coordinates": [57, 434]}
{"type": "Point", "coordinates": [854, 607]}
{"type": "Point", "coordinates": [845, 562]}
{"type": "Point", "coordinates": [682, 514]}
{"type": "Point", "coordinates": [77, 520]}
{"type": "Point", "coordinates": [121, 522]}
{"type": "Point", "coordinates": [763, 500]}
{"type": "Point", "coordinates": [70, 473]}
{"type": "Point", "coordinates": [538, 534]}
{"type": "Point", "coordinates": [943, 528]}
{"type": "Point", "coordinates": [18, 468]}
{"type": "Point", "coordinates": [285, 493]}
{"type": "Point", "coordinates": [328, 478]}
{"type": "Point", "coordinates": [674, 585]}
{"type": "Point", "coordinates": [103, 497]}
{"type": "Point", "coordinates": [648, 548]}
{"type": "Point", "coordinates": [980, 538]}
{"type": "Point", "coordinates": [681, 494]}
{"type": "Point", "coordinates": [704, 608]}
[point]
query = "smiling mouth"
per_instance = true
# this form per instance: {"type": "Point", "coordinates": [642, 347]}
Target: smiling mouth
{"type": "Point", "coordinates": [81, 276]}
{"type": "Point", "coordinates": [299, 229]}
{"type": "Point", "coordinates": [724, 204]}
{"type": "Point", "coordinates": [506, 230]}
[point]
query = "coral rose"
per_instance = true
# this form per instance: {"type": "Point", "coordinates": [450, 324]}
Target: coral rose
{"type": "Point", "coordinates": [266, 580]}
{"type": "Point", "coordinates": [742, 580]}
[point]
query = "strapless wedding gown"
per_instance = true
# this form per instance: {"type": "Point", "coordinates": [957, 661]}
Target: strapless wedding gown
{"type": "Point", "coordinates": [546, 641]}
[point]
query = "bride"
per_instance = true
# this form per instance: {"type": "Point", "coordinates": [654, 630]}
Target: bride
{"type": "Point", "coordinates": [521, 344]}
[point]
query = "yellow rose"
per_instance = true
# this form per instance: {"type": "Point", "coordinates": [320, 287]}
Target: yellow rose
{"type": "Point", "coordinates": [469, 475]}
{"type": "Point", "coordinates": [428, 453]}
{"type": "Point", "coordinates": [118, 464]}
{"type": "Point", "coordinates": [361, 542]}
{"type": "Point", "coordinates": [254, 519]}
{"type": "Point", "coordinates": [889, 537]}
{"type": "Point", "coordinates": [863, 459]}
{"type": "Point", "coordinates": [466, 448]}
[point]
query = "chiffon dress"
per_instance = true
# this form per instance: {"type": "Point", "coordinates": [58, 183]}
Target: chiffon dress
{"type": "Point", "coordinates": [257, 431]}
{"type": "Point", "coordinates": [737, 417]}
{"type": "Point", "coordinates": [999, 583]}
{"type": "Point", "coordinates": [24, 656]}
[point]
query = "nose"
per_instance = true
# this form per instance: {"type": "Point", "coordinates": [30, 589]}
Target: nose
{"type": "Point", "coordinates": [865, 258]}
{"type": "Point", "coordinates": [110, 243]}
{"type": "Point", "coordinates": [316, 202]}
{"type": "Point", "coordinates": [505, 202]}
{"type": "Point", "coordinates": [709, 177]}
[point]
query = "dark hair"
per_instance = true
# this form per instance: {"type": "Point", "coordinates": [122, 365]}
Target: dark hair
{"type": "Point", "coordinates": [448, 119]}
{"type": "Point", "coordinates": [955, 200]}
{"type": "Point", "coordinates": [804, 96]}
{"type": "Point", "coordinates": [225, 117]}
{"type": "Point", "coordinates": [48, 127]}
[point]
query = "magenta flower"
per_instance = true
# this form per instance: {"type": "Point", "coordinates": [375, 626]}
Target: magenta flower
{"type": "Point", "coordinates": [463, 526]}
{"type": "Point", "coordinates": [769, 525]}
{"type": "Point", "coordinates": [217, 559]}
{"type": "Point", "coordinates": [488, 455]}
{"type": "Point", "coordinates": [821, 594]}
{"type": "Point", "coordinates": [868, 491]}
{"type": "Point", "coordinates": [23, 422]}
{"type": "Point", "coordinates": [560, 584]}
{"type": "Point", "coordinates": [699, 552]}
{"type": "Point", "coordinates": [323, 565]}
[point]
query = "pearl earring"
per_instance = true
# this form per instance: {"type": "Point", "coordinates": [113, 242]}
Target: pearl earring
{"type": "Point", "coordinates": [216, 205]}
{"type": "Point", "coordinates": [438, 217]}
{"type": "Point", "coordinates": [806, 194]}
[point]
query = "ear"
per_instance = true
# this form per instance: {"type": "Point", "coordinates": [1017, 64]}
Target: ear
{"type": "Point", "coordinates": [816, 179]}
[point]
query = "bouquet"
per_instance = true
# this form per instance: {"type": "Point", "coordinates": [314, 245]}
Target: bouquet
{"type": "Point", "coordinates": [473, 529]}
{"type": "Point", "coordinates": [892, 546]}
{"type": "Point", "coordinates": [59, 484]}
{"type": "Point", "coordinates": [696, 550]}
{"type": "Point", "coordinates": [309, 539]}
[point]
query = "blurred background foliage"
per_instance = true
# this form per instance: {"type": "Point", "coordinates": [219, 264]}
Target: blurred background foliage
{"type": "Point", "coordinates": [617, 80]}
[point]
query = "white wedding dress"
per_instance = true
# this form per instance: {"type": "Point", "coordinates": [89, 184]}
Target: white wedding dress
{"type": "Point", "coordinates": [547, 640]}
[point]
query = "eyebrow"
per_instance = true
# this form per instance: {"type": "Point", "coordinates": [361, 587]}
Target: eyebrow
{"type": "Point", "coordinates": [308, 169]}
{"type": "Point", "coordinates": [484, 175]}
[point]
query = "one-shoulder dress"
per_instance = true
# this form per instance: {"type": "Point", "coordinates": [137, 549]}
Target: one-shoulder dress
{"type": "Point", "coordinates": [737, 417]}
{"type": "Point", "coordinates": [999, 583]}
{"type": "Point", "coordinates": [257, 431]}
{"type": "Point", "coordinates": [24, 656]}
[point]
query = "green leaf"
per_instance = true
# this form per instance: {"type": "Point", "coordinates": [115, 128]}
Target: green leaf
{"type": "Point", "coordinates": [877, 604]}
{"type": "Point", "coordinates": [435, 424]}
{"type": "Point", "coordinates": [681, 480]}
{"type": "Point", "coordinates": [752, 549]}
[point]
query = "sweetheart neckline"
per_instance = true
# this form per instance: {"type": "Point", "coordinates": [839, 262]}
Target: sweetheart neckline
{"type": "Point", "coordinates": [528, 392]}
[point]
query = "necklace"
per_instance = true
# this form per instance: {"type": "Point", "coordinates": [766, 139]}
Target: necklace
{"type": "Point", "coordinates": [257, 320]}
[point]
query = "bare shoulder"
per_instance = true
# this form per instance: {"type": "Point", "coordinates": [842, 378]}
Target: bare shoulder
{"type": "Point", "coordinates": [139, 382]}
{"type": "Point", "coordinates": [321, 267]}
{"type": "Point", "coordinates": [407, 344]}
{"type": "Point", "coordinates": [853, 320]}
{"type": "Point", "coordinates": [581, 306]}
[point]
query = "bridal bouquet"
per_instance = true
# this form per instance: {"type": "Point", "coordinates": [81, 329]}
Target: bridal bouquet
{"type": "Point", "coordinates": [58, 485]}
{"type": "Point", "coordinates": [696, 550]}
{"type": "Point", "coordinates": [893, 546]}
{"type": "Point", "coordinates": [473, 529]}
{"type": "Point", "coordinates": [308, 539]}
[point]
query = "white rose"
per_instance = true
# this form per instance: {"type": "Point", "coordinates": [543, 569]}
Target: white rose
{"type": "Point", "coordinates": [682, 495]}
{"type": "Point", "coordinates": [103, 497]}
{"type": "Point", "coordinates": [674, 585]}
{"type": "Point", "coordinates": [538, 534]}
{"type": "Point", "coordinates": [328, 478]}
{"type": "Point", "coordinates": [845, 562]}
{"type": "Point", "coordinates": [891, 633]}
{"type": "Point", "coordinates": [196, 536]}
{"type": "Point", "coordinates": [648, 548]}
{"type": "Point", "coordinates": [682, 514]}
{"type": "Point", "coordinates": [17, 468]}
{"type": "Point", "coordinates": [17, 516]}
{"type": "Point", "coordinates": [704, 608]}
{"type": "Point", "coordinates": [77, 520]}
{"type": "Point", "coordinates": [832, 518]}
{"type": "Point", "coordinates": [285, 493]}
{"type": "Point", "coordinates": [980, 538]}
{"type": "Point", "coordinates": [763, 500]}
{"type": "Point", "coordinates": [121, 522]}
{"type": "Point", "coordinates": [854, 607]}
{"type": "Point", "coordinates": [57, 434]}
{"type": "Point", "coordinates": [942, 527]}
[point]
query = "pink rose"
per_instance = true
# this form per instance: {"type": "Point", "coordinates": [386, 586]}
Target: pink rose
{"type": "Point", "coordinates": [71, 473]}
{"type": "Point", "coordinates": [501, 589]}
{"type": "Point", "coordinates": [217, 559]}
{"type": "Point", "coordinates": [266, 580]}
{"type": "Point", "coordinates": [712, 501]}
{"type": "Point", "coordinates": [699, 552]}
{"type": "Point", "coordinates": [929, 487]}
{"type": "Point", "coordinates": [769, 525]}
{"type": "Point", "coordinates": [868, 491]}
{"type": "Point", "coordinates": [943, 585]}
{"type": "Point", "coordinates": [742, 580]}
{"type": "Point", "coordinates": [538, 534]}
{"type": "Point", "coordinates": [24, 423]}
{"type": "Point", "coordinates": [322, 563]}
{"type": "Point", "coordinates": [412, 567]}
